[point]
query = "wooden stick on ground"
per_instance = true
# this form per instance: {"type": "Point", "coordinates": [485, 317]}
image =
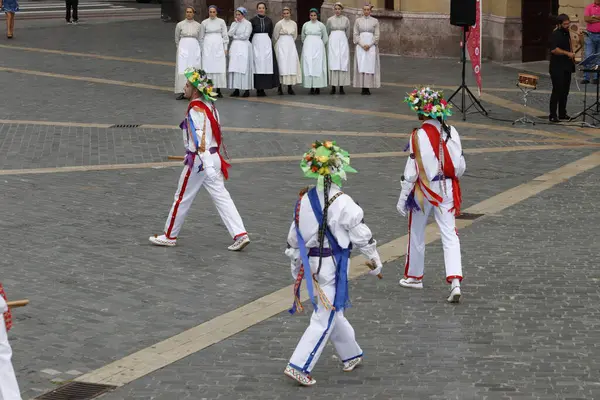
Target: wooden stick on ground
{"type": "Point", "coordinates": [17, 303]}
{"type": "Point", "coordinates": [175, 157]}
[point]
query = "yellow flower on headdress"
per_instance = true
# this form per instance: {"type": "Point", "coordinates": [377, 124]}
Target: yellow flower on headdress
{"type": "Point", "coordinates": [323, 159]}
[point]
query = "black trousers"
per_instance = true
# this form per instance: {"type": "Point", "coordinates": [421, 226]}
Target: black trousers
{"type": "Point", "coordinates": [561, 83]}
{"type": "Point", "coordinates": [72, 5]}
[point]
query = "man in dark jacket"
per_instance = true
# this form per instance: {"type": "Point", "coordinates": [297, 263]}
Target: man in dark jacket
{"type": "Point", "coordinates": [562, 66]}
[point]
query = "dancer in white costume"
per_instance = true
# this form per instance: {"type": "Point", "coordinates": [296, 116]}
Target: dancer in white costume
{"type": "Point", "coordinates": [367, 72]}
{"type": "Point", "coordinates": [320, 252]}
{"type": "Point", "coordinates": [285, 34]}
{"type": "Point", "coordinates": [9, 388]}
{"type": "Point", "coordinates": [241, 61]}
{"type": "Point", "coordinates": [338, 50]}
{"type": "Point", "coordinates": [189, 54]}
{"type": "Point", "coordinates": [204, 165]}
{"type": "Point", "coordinates": [431, 182]}
{"type": "Point", "coordinates": [214, 39]}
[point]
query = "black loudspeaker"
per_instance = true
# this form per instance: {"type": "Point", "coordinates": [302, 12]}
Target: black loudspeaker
{"type": "Point", "coordinates": [462, 12]}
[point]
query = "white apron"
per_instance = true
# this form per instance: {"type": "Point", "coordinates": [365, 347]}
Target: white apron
{"type": "Point", "coordinates": [338, 51]}
{"type": "Point", "coordinates": [366, 60]}
{"type": "Point", "coordinates": [312, 56]}
{"type": "Point", "coordinates": [188, 54]}
{"type": "Point", "coordinates": [238, 56]}
{"type": "Point", "coordinates": [263, 54]}
{"type": "Point", "coordinates": [214, 54]}
{"type": "Point", "coordinates": [287, 55]}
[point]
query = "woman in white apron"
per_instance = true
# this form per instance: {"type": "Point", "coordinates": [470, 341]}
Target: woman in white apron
{"type": "Point", "coordinates": [338, 50]}
{"type": "Point", "coordinates": [366, 59]}
{"type": "Point", "coordinates": [266, 73]}
{"type": "Point", "coordinates": [284, 37]}
{"type": "Point", "coordinates": [187, 39]}
{"type": "Point", "coordinates": [314, 56]}
{"type": "Point", "coordinates": [214, 41]}
{"type": "Point", "coordinates": [241, 62]}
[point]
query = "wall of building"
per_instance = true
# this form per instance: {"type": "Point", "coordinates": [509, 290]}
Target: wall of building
{"type": "Point", "coordinates": [422, 28]}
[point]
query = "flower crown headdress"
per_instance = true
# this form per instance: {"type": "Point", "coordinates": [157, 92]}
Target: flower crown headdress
{"type": "Point", "coordinates": [199, 79]}
{"type": "Point", "coordinates": [428, 102]}
{"type": "Point", "coordinates": [326, 159]}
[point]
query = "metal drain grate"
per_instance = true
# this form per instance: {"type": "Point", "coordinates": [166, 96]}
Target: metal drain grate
{"type": "Point", "coordinates": [76, 391]}
{"type": "Point", "coordinates": [125, 126]}
{"type": "Point", "coordinates": [468, 216]}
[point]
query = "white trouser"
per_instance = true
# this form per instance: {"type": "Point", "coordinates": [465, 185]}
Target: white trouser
{"type": "Point", "coordinates": [417, 221]}
{"type": "Point", "coordinates": [190, 183]}
{"type": "Point", "coordinates": [9, 388]}
{"type": "Point", "coordinates": [324, 325]}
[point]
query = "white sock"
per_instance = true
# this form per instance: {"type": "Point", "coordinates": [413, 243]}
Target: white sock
{"type": "Point", "coordinates": [455, 282]}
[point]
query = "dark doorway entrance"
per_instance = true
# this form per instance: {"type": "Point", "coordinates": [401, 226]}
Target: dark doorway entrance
{"type": "Point", "coordinates": [226, 10]}
{"type": "Point", "coordinates": [303, 7]}
{"type": "Point", "coordinates": [539, 19]}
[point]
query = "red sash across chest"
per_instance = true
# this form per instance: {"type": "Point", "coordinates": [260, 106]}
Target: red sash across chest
{"type": "Point", "coordinates": [216, 131]}
{"type": "Point", "coordinates": [449, 171]}
{"type": "Point", "coordinates": [8, 314]}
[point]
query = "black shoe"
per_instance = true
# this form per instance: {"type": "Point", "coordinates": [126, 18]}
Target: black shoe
{"type": "Point", "coordinates": [553, 119]}
{"type": "Point", "coordinates": [312, 91]}
{"type": "Point", "coordinates": [246, 93]}
{"type": "Point", "coordinates": [342, 90]}
{"type": "Point", "coordinates": [261, 93]}
{"type": "Point", "coordinates": [584, 81]}
{"type": "Point", "coordinates": [180, 97]}
{"type": "Point", "coordinates": [565, 117]}
{"type": "Point", "coordinates": [219, 94]}
{"type": "Point", "coordinates": [332, 90]}
{"type": "Point", "coordinates": [317, 91]}
{"type": "Point", "coordinates": [367, 92]}
{"type": "Point", "coordinates": [236, 93]}
{"type": "Point", "coordinates": [291, 91]}
{"type": "Point", "coordinates": [280, 91]}
{"type": "Point", "coordinates": [364, 91]}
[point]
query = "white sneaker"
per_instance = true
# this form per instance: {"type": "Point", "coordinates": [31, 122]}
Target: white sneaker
{"type": "Point", "coordinates": [454, 295]}
{"type": "Point", "coordinates": [240, 243]}
{"type": "Point", "coordinates": [162, 240]}
{"type": "Point", "coordinates": [350, 365]}
{"type": "Point", "coordinates": [300, 377]}
{"type": "Point", "coordinates": [412, 283]}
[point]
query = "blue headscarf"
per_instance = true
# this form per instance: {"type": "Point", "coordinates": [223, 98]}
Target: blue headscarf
{"type": "Point", "coordinates": [242, 10]}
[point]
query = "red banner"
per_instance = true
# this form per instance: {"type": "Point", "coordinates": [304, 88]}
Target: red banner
{"type": "Point", "coordinates": [474, 45]}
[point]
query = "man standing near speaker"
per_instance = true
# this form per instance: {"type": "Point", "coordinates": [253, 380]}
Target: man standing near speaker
{"type": "Point", "coordinates": [562, 66]}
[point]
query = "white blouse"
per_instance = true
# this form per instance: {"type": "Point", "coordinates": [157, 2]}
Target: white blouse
{"type": "Point", "coordinates": [187, 28]}
{"type": "Point", "coordinates": [212, 26]}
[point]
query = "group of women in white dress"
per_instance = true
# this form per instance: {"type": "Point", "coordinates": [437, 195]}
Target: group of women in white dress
{"type": "Point", "coordinates": [264, 56]}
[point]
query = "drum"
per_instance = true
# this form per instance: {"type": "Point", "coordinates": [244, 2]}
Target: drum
{"type": "Point", "coordinates": [528, 81]}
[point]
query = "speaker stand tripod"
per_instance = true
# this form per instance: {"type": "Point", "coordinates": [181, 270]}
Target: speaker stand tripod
{"type": "Point", "coordinates": [463, 89]}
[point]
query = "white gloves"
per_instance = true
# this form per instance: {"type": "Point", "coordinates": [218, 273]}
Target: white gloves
{"type": "Point", "coordinates": [295, 262]}
{"type": "Point", "coordinates": [407, 187]}
{"type": "Point", "coordinates": [375, 262]}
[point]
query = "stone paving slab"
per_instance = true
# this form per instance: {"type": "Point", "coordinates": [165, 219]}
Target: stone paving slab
{"type": "Point", "coordinates": [527, 328]}
{"type": "Point", "coordinates": [98, 288]}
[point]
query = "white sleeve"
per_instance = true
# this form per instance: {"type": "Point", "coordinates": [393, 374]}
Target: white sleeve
{"type": "Point", "coordinates": [456, 153]}
{"type": "Point", "coordinates": [200, 123]}
{"type": "Point", "coordinates": [292, 250]}
{"type": "Point", "coordinates": [3, 306]}
{"type": "Point", "coordinates": [410, 170]}
{"type": "Point", "coordinates": [351, 219]}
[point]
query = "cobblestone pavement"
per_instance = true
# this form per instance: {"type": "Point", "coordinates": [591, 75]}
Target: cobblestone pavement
{"type": "Point", "coordinates": [75, 243]}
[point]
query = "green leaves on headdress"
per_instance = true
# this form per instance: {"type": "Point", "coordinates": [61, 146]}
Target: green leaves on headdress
{"type": "Point", "coordinates": [428, 102]}
{"type": "Point", "coordinates": [326, 158]}
{"type": "Point", "coordinates": [199, 79]}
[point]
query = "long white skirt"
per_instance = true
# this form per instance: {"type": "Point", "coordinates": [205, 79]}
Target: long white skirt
{"type": "Point", "coordinates": [219, 80]}
{"type": "Point", "coordinates": [314, 62]}
{"type": "Point", "coordinates": [338, 56]}
{"type": "Point", "coordinates": [239, 80]}
{"type": "Point", "coordinates": [188, 55]}
{"type": "Point", "coordinates": [288, 61]}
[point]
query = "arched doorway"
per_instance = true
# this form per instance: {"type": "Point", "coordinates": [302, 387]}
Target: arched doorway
{"type": "Point", "coordinates": [539, 20]}
{"type": "Point", "coordinates": [303, 7]}
{"type": "Point", "coordinates": [226, 10]}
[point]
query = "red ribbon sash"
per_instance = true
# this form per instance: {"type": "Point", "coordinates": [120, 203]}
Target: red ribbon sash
{"type": "Point", "coordinates": [449, 171]}
{"type": "Point", "coordinates": [216, 131]}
